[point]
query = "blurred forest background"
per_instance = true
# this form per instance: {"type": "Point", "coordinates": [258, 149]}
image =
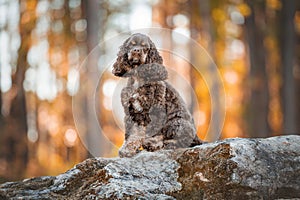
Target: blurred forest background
{"type": "Point", "coordinates": [254, 43]}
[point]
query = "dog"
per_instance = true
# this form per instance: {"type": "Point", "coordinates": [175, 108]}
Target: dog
{"type": "Point", "coordinates": [156, 116]}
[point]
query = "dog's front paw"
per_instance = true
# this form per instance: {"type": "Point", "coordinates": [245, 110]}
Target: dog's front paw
{"type": "Point", "coordinates": [153, 143]}
{"type": "Point", "coordinates": [131, 147]}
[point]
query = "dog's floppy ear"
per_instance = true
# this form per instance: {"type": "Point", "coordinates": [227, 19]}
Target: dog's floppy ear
{"type": "Point", "coordinates": [120, 67]}
{"type": "Point", "coordinates": [153, 55]}
{"type": "Point", "coordinates": [152, 72]}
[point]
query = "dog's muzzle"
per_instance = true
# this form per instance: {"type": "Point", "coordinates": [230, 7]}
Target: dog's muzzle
{"type": "Point", "coordinates": [136, 55]}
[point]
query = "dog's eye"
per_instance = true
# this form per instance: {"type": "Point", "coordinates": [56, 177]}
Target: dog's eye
{"type": "Point", "coordinates": [133, 42]}
{"type": "Point", "coordinates": [145, 45]}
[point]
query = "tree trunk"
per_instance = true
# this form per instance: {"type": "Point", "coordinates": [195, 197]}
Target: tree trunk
{"type": "Point", "coordinates": [14, 139]}
{"type": "Point", "coordinates": [98, 145]}
{"type": "Point", "coordinates": [200, 9]}
{"type": "Point", "coordinates": [288, 58]}
{"type": "Point", "coordinates": [259, 100]}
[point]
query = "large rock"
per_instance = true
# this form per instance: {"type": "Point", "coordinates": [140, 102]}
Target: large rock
{"type": "Point", "coordinates": [229, 169]}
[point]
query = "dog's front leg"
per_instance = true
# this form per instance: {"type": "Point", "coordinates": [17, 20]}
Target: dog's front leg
{"type": "Point", "coordinates": [133, 143]}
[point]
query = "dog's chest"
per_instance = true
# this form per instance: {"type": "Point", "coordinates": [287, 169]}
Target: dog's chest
{"type": "Point", "coordinates": [137, 83]}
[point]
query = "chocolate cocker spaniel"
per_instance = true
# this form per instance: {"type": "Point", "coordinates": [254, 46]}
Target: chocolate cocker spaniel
{"type": "Point", "coordinates": [155, 114]}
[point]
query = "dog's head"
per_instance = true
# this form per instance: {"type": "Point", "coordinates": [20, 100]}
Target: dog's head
{"type": "Point", "coordinates": [136, 50]}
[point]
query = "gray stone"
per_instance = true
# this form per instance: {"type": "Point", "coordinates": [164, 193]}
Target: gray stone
{"type": "Point", "coordinates": [229, 169]}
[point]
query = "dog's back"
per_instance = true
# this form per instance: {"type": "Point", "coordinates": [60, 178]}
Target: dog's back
{"type": "Point", "coordinates": [179, 130]}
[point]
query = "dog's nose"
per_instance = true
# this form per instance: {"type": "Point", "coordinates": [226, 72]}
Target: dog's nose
{"type": "Point", "coordinates": [137, 50]}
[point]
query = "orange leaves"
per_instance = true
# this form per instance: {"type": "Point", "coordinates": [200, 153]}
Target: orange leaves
{"type": "Point", "coordinates": [244, 9]}
{"type": "Point", "coordinates": [219, 15]}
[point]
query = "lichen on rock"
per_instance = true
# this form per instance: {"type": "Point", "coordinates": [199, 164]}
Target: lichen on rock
{"type": "Point", "coordinates": [229, 169]}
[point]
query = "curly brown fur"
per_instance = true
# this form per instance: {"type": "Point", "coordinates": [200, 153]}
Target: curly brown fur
{"type": "Point", "coordinates": [155, 114]}
{"type": "Point", "coordinates": [147, 50]}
